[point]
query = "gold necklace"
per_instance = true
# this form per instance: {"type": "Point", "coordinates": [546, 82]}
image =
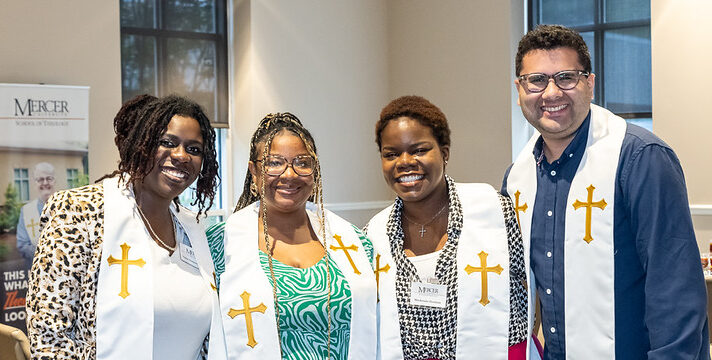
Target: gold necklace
{"type": "Point", "coordinates": [153, 233]}
{"type": "Point", "coordinates": [274, 282]}
{"type": "Point", "coordinates": [422, 230]}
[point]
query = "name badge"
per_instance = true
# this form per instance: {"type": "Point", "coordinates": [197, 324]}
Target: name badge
{"type": "Point", "coordinates": [425, 294]}
{"type": "Point", "coordinates": [187, 255]}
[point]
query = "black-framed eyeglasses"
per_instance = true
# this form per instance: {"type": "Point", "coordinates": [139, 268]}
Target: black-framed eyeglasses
{"type": "Point", "coordinates": [275, 165]}
{"type": "Point", "coordinates": [565, 80]}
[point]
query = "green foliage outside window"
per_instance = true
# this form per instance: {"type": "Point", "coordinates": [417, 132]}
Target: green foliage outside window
{"type": "Point", "coordinates": [10, 213]}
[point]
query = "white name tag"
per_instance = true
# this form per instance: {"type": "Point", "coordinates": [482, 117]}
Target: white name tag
{"type": "Point", "coordinates": [424, 294]}
{"type": "Point", "coordinates": [188, 255]}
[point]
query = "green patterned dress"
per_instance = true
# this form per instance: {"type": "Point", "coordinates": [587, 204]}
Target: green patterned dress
{"type": "Point", "coordinates": [302, 299]}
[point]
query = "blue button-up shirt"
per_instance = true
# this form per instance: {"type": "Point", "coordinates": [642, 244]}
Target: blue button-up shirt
{"type": "Point", "coordinates": [660, 296]}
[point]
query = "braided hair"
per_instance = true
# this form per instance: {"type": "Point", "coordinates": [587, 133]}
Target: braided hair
{"type": "Point", "coordinates": [268, 127]}
{"type": "Point", "coordinates": [137, 141]}
{"type": "Point", "coordinates": [124, 120]}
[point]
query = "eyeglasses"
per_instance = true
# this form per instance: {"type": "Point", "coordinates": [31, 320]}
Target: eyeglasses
{"type": "Point", "coordinates": [275, 165]}
{"type": "Point", "coordinates": [48, 179]}
{"type": "Point", "coordinates": [565, 80]}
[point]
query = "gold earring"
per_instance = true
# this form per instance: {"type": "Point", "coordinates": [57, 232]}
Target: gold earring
{"type": "Point", "coordinates": [253, 189]}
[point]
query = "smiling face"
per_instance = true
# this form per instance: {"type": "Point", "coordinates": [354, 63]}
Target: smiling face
{"type": "Point", "coordinates": [44, 179]}
{"type": "Point", "coordinates": [287, 192]}
{"type": "Point", "coordinates": [178, 159]}
{"type": "Point", "coordinates": [555, 113]}
{"type": "Point", "coordinates": [413, 163]}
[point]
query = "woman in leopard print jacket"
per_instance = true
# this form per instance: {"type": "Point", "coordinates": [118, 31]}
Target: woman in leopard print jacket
{"type": "Point", "coordinates": [81, 306]}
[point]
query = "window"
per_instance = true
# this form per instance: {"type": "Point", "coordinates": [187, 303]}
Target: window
{"type": "Point", "coordinates": [22, 184]}
{"type": "Point", "coordinates": [617, 33]}
{"type": "Point", "coordinates": [176, 47]}
{"type": "Point", "coordinates": [179, 47]}
{"type": "Point", "coordinates": [72, 178]}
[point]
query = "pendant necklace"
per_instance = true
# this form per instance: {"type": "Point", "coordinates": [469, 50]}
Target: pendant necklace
{"type": "Point", "coordinates": [422, 230]}
{"type": "Point", "coordinates": [153, 233]}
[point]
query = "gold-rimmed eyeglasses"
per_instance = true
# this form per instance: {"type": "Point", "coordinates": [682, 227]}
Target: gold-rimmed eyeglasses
{"type": "Point", "coordinates": [275, 165]}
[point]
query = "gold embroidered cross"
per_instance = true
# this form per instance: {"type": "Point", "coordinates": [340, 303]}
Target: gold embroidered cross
{"type": "Point", "coordinates": [125, 262]}
{"type": "Point", "coordinates": [518, 208]}
{"type": "Point", "coordinates": [484, 299]}
{"type": "Point", "coordinates": [215, 280]}
{"type": "Point", "coordinates": [346, 251]}
{"type": "Point", "coordinates": [589, 205]}
{"type": "Point", "coordinates": [247, 311]}
{"type": "Point", "coordinates": [377, 271]}
{"type": "Point", "coordinates": [32, 225]}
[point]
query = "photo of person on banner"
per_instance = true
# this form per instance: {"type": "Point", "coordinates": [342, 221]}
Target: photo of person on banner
{"type": "Point", "coordinates": [28, 228]}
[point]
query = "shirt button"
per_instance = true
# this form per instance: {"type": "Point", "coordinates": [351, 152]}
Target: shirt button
{"type": "Point", "coordinates": [549, 213]}
{"type": "Point", "coordinates": [553, 329]}
{"type": "Point", "coordinates": [548, 254]}
{"type": "Point", "coordinates": [548, 291]}
{"type": "Point", "coordinates": [571, 155]}
{"type": "Point", "coordinates": [553, 172]}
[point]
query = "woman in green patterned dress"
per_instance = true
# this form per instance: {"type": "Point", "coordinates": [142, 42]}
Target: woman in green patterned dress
{"type": "Point", "coordinates": [295, 281]}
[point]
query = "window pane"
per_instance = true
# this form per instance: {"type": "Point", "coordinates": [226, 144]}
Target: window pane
{"type": "Point", "coordinates": [138, 13]}
{"type": "Point", "coordinates": [138, 65]}
{"type": "Point", "coordinates": [624, 10]}
{"type": "Point", "coordinates": [190, 15]}
{"type": "Point", "coordinates": [25, 193]}
{"type": "Point", "coordinates": [646, 123]}
{"type": "Point", "coordinates": [588, 38]}
{"type": "Point", "coordinates": [190, 72]}
{"type": "Point", "coordinates": [569, 13]}
{"type": "Point", "coordinates": [628, 86]}
{"type": "Point", "coordinates": [188, 196]}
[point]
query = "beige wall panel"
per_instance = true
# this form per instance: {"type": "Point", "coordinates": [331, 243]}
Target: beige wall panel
{"type": "Point", "coordinates": [69, 42]}
{"type": "Point", "coordinates": [681, 53]}
{"type": "Point", "coordinates": [458, 54]}
{"type": "Point", "coordinates": [324, 61]}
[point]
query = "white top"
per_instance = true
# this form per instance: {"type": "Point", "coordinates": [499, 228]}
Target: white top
{"type": "Point", "coordinates": [127, 288]}
{"type": "Point", "coordinates": [182, 307]}
{"type": "Point", "coordinates": [425, 265]}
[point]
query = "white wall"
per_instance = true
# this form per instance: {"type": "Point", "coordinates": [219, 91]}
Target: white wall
{"type": "Point", "coordinates": [69, 42]}
{"type": "Point", "coordinates": [681, 53]}
{"type": "Point", "coordinates": [326, 62]}
{"type": "Point", "coordinates": [335, 64]}
{"type": "Point", "coordinates": [458, 54]}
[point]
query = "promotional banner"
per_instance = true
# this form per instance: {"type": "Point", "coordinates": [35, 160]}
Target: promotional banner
{"type": "Point", "coordinates": [44, 142]}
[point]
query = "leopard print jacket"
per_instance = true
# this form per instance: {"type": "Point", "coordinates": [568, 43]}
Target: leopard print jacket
{"type": "Point", "coordinates": [63, 281]}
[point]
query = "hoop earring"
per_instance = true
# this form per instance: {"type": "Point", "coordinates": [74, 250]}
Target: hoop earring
{"type": "Point", "coordinates": [253, 189]}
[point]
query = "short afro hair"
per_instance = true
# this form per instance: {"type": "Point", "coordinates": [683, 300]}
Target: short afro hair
{"type": "Point", "coordinates": [417, 108]}
{"type": "Point", "coordinates": [549, 37]}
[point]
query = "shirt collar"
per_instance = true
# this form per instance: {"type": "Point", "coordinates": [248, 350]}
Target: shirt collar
{"type": "Point", "coordinates": [576, 145]}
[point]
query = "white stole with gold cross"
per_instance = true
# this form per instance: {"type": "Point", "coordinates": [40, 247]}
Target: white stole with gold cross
{"type": "Point", "coordinates": [588, 244]}
{"type": "Point", "coordinates": [482, 316]}
{"type": "Point", "coordinates": [244, 285]}
{"type": "Point", "coordinates": [31, 217]}
{"type": "Point", "coordinates": [124, 301]}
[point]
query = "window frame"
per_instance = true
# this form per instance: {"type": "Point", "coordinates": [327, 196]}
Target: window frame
{"type": "Point", "coordinates": [162, 35]}
{"type": "Point", "coordinates": [72, 177]}
{"type": "Point", "coordinates": [598, 28]}
{"type": "Point", "coordinates": [19, 181]}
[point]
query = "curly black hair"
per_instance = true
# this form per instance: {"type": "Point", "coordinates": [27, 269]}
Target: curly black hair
{"type": "Point", "coordinates": [125, 120]}
{"type": "Point", "coordinates": [417, 108]}
{"type": "Point", "coordinates": [138, 143]}
{"type": "Point", "coordinates": [268, 127]}
{"type": "Point", "coordinates": [127, 115]}
{"type": "Point", "coordinates": [548, 37]}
